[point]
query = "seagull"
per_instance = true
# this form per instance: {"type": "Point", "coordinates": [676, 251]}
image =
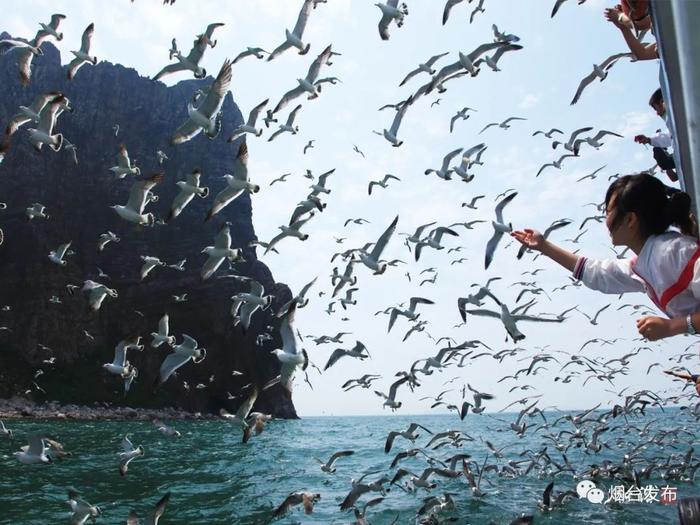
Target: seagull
{"type": "Point", "coordinates": [220, 251]}
{"type": "Point", "coordinates": [391, 12]}
{"type": "Point", "coordinates": [327, 466]}
{"type": "Point", "coordinates": [43, 133]}
{"type": "Point", "coordinates": [8, 44]}
{"type": "Point", "coordinates": [5, 431]}
{"type": "Point", "coordinates": [311, 203]}
{"type": "Point", "coordinates": [207, 116]}
{"type": "Point", "coordinates": [124, 166]}
{"type": "Point", "coordinates": [472, 203]}
{"type": "Point", "coordinates": [308, 146]}
{"type": "Point", "coordinates": [115, 128]}
{"type": "Point", "coordinates": [383, 183]}
{"type": "Point", "coordinates": [503, 124]}
{"type": "Point", "coordinates": [68, 146]}
{"type": "Point", "coordinates": [295, 498]}
{"type": "Point", "coordinates": [56, 256]}
{"type": "Point", "coordinates": [242, 415]}
{"type": "Point", "coordinates": [469, 158]}
{"type": "Point", "coordinates": [569, 146]}
{"type": "Point", "coordinates": [182, 353]}
{"type": "Point", "coordinates": [33, 453]}
{"type": "Point", "coordinates": [433, 240]}
{"type": "Point", "coordinates": [461, 114]}
{"type": "Point", "coordinates": [82, 510]}
{"type": "Point", "coordinates": [96, 293]}
{"type": "Point", "coordinates": [548, 134]}
{"type": "Point", "coordinates": [249, 126]}
{"type": "Point", "coordinates": [410, 314]}
{"type": "Point", "coordinates": [162, 336]}
{"type": "Point", "coordinates": [599, 71]}
{"type": "Point", "coordinates": [499, 228]}
{"type": "Point", "coordinates": [193, 59]}
{"type": "Point", "coordinates": [594, 319]}
{"type": "Point", "coordinates": [357, 351]}
{"type": "Point", "coordinates": [391, 134]}
{"type": "Point", "coordinates": [293, 230]}
{"type": "Point", "coordinates": [36, 210]}
{"type": "Point", "coordinates": [466, 63]}
{"type": "Point", "coordinates": [416, 236]}
{"type": "Point", "coordinates": [552, 227]}
{"type": "Point", "coordinates": [158, 510]}
{"type": "Point", "coordinates": [287, 126]}
{"type": "Point", "coordinates": [293, 38]}
{"type": "Point", "coordinates": [236, 184]}
{"type": "Point", "coordinates": [348, 298]}
{"type": "Point", "coordinates": [357, 150]}
{"type": "Point", "coordinates": [245, 304]}
{"type": "Point", "coordinates": [180, 298]}
{"type": "Point", "coordinates": [320, 185]}
{"type": "Point", "coordinates": [105, 239]}
{"type": "Point", "coordinates": [508, 318]}
{"type": "Point", "coordinates": [52, 28]}
{"type": "Point", "coordinates": [410, 434]}
{"type": "Point", "coordinates": [426, 67]}
{"type": "Point", "coordinates": [161, 156]}
{"type": "Point", "coordinates": [128, 455]}
{"type": "Point", "coordinates": [31, 113]}
{"type": "Point", "coordinates": [290, 357]}
{"type": "Point", "coordinates": [492, 61]}
{"type": "Point", "coordinates": [308, 84]}
{"type": "Point", "coordinates": [505, 38]}
{"type": "Point", "coordinates": [448, 7]}
{"type": "Point", "coordinates": [444, 171]}
{"type": "Point", "coordinates": [594, 141]}
{"type": "Point", "coordinates": [139, 196]}
{"type": "Point", "coordinates": [281, 178]}
{"type": "Point", "coordinates": [371, 259]}
{"type": "Point", "coordinates": [82, 56]}
{"type": "Point", "coordinates": [257, 52]}
{"type": "Point", "coordinates": [188, 189]}
{"type": "Point", "coordinates": [269, 118]}
{"type": "Point", "coordinates": [120, 366]}
{"type": "Point", "coordinates": [478, 9]}
{"type": "Point", "coordinates": [592, 175]}
{"type": "Point", "coordinates": [390, 400]}
{"type": "Point", "coordinates": [555, 164]}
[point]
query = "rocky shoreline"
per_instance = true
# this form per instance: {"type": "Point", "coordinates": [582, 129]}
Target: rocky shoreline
{"type": "Point", "coordinates": [22, 408]}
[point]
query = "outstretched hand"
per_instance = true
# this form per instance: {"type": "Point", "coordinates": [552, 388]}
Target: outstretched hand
{"type": "Point", "coordinates": [616, 16]}
{"type": "Point", "coordinates": [530, 238]}
{"type": "Point", "coordinates": [654, 328]}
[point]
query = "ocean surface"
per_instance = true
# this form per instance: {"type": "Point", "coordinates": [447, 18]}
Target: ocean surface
{"type": "Point", "coordinates": [215, 479]}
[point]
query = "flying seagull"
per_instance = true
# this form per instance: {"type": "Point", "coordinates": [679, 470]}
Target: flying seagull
{"type": "Point", "coordinates": [83, 55]}
{"type": "Point", "coordinates": [499, 228]}
{"type": "Point", "coordinates": [293, 38]}
{"type": "Point", "coordinates": [236, 184]}
{"type": "Point", "coordinates": [192, 60]}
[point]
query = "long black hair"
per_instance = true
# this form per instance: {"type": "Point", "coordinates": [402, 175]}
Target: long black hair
{"type": "Point", "coordinates": [656, 207]}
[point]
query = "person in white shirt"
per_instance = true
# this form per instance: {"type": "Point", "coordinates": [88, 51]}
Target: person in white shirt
{"type": "Point", "coordinates": [639, 212]}
{"type": "Point", "coordinates": [662, 142]}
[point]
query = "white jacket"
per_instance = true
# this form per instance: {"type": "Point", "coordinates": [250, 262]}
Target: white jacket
{"type": "Point", "coordinates": [667, 269]}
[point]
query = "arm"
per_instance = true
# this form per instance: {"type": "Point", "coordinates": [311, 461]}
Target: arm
{"type": "Point", "coordinates": [640, 51]}
{"type": "Point", "coordinates": [680, 375]}
{"type": "Point", "coordinates": [655, 328]}
{"type": "Point", "coordinates": [534, 239]}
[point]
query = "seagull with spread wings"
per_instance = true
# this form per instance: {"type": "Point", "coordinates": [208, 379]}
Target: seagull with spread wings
{"type": "Point", "coordinates": [288, 126]}
{"type": "Point", "coordinates": [188, 189]}
{"type": "Point", "coordinates": [372, 259]}
{"type": "Point", "coordinates": [236, 184]}
{"type": "Point", "coordinates": [249, 126]}
{"type": "Point", "coordinates": [82, 56]}
{"type": "Point", "coordinates": [599, 71]}
{"type": "Point", "coordinates": [139, 196]}
{"type": "Point", "coordinates": [308, 84]}
{"type": "Point", "coordinates": [207, 116]}
{"type": "Point", "coordinates": [426, 67]}
{"type": "Point", "coordinates": [499, 228]}
{"type": "Point", "coordinates": [192, 60]}
{"type": "Point", "coordinates": [220, 251]}
{"type": "Point", "coordinates": [293, 38]}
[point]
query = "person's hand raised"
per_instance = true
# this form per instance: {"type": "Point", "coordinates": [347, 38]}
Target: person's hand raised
{"type": "Point", "coordinates": [530, 238]}
{"type": "Point", "coordinates": [616, 16]}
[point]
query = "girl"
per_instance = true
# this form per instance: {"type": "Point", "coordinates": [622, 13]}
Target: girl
{"type": "Point", "coordinates": [638, 215]}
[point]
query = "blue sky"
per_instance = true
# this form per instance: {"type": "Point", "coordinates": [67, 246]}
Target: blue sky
{"type": "Point", "coordinates": [536, 83]}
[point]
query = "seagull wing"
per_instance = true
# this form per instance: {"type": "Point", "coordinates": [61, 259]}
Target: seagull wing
{"type": "Point", "coordinates": [215, 96]}
{"type": "Point", "coordinates": [293, 115]}
{"type": "Point", "coordinates": [253, 116]}
{"type": "Point", "coordinates": [335, 356]}
{"type": "Point", "coordinates": [448, 158]}
{"type": "Point", "coordinates": [315, 67]}
{"type": "Point", "coordinates": [288, 97]}
{"type": "Point", "coordinates": [491, 247]}
{"type": "Point", "coordinates": [123, 157]}
{"type": "Point", "coordinates": [384, 239]}
{"type": "Point", "coordinates": [171, 363]}
{"type": "Point", "coordinates": [302, 18]}
{"type": "Point", "coordinates": [87, 39]}
{"type": "Point", "coordinates": [140, 189]}
{"type": "Point", "coordinates": [36, 445]}
{"type": "Point", "coordinates": [169, 69]}
{"type": "Point", "coordinates": [502, 204]}
{"type": "Point", "coordinates": [289, 341]}
{"type": "Point", "coordinates": [399, 116]}
{"type": "Point", "coordinates": [247, 405]}
{"type": "Point", "coordinates": [582, 85]}
{"type": "Point", "coordinates": [164, 325]}
{"type": "Point", "coordinates": [448, 7]}
{"type": "Point", "coordinates": [24, 61]}
{"type": "Point", "coordinates": [158, 511]}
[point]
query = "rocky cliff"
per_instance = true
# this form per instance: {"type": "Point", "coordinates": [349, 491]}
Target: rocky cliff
{"type": "Point", "coordinates": [77, 199]}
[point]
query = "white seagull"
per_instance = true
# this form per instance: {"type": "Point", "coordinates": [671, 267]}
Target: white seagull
{"type": "Point", "coordinates": [96, 293]}
{"type": "Point", "coordinates": [426, 67]}
{"type": "Point", "coordinates": [308, 84]}
{"type": "Point", "coordinates": [220, 251]}
{"type": "Point", "coordinates": [372, 259]}
{"type": "Point", "coordinates": [599, 71]}
{"type": "Point", "coordinates": [36, 210]}
{"type": "Point", "coordinates": [249, 126]}
{"type": "Point", "coordinates": [188, 189]}
{"type": "Point", "coordinates": [293, 230]}
{"type": "Point", "coordinates": [56, 256]}
{"type": "Point", "coordinates": [392, 132]}
{"type": "Point", "coordinates": [287, 126]}
{"type": "Point", "coordinates": [290, 356]}
{"type": "Point", "coordinates": [163, 334]}
{"type": "Point", "coordinates": [43, 133]}
{"type": "Point", "coordinates": [31, 113]}
{"type": "Point", "coordinates": [139, 196]}
{"type": "Point", "coordinates": [503, 124]}
{"type": "Point", "coordinates": [246, 304]}
{"type": "Point", "coordinates": [384, 183]}
{"type": "Point", "coordinates": [257, 52]}
{"type": "Point", "coordinates": [444, 171]}
{"type": "Point", "coordinates": [391, 12]}
{"type": "Point", "coordinates": [293, 38]}
{"type": "Point", "coordinates": [124, 165]}
{"type": "Point", "coordinates": [148, 264]}
{"type": "Point", "coordinates": [106, 238]}
{"type": "Point", "coordinates": [207, 116]}
{"type": "Point", "coordinates": [236, 184]}
{"type": "Point", "coordinates": [410, 314]}
{"type": "Point", "coordinates": [182, 353]}
{"type": "Point", "coordinates": [128, 454]}
{"type": "Point", "coordinates": [192, 60]}
{"type": "Point", "coordinates": [83, 55]}
{"type": "Point", "coordinates": [33, 453]}
{"type": "Point", "coordinates": [499, 228]}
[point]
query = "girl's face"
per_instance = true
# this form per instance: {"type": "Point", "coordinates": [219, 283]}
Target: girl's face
{"type": "Point", "coordinates": [622, 233]}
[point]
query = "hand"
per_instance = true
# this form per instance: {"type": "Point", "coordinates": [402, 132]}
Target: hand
{"type": "Point", "coordinates": [530, 238]}
{"type": "Point", "coordinates": [615, 15]}
{"type": "Point", "coordinates": [654, 328]}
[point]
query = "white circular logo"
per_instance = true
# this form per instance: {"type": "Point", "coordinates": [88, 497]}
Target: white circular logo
{"type": "Point", "coordinates": [584, 487]}
{"type": "Point", "coordinates": [595, 495]}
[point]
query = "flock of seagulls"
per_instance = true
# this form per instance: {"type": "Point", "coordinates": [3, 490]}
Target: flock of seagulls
{"type": "Point", "coordinates": [585, 431]}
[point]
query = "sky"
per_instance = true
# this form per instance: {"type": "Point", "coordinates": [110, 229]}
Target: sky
{"type": "Point", "coordinates": [536, 83]}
